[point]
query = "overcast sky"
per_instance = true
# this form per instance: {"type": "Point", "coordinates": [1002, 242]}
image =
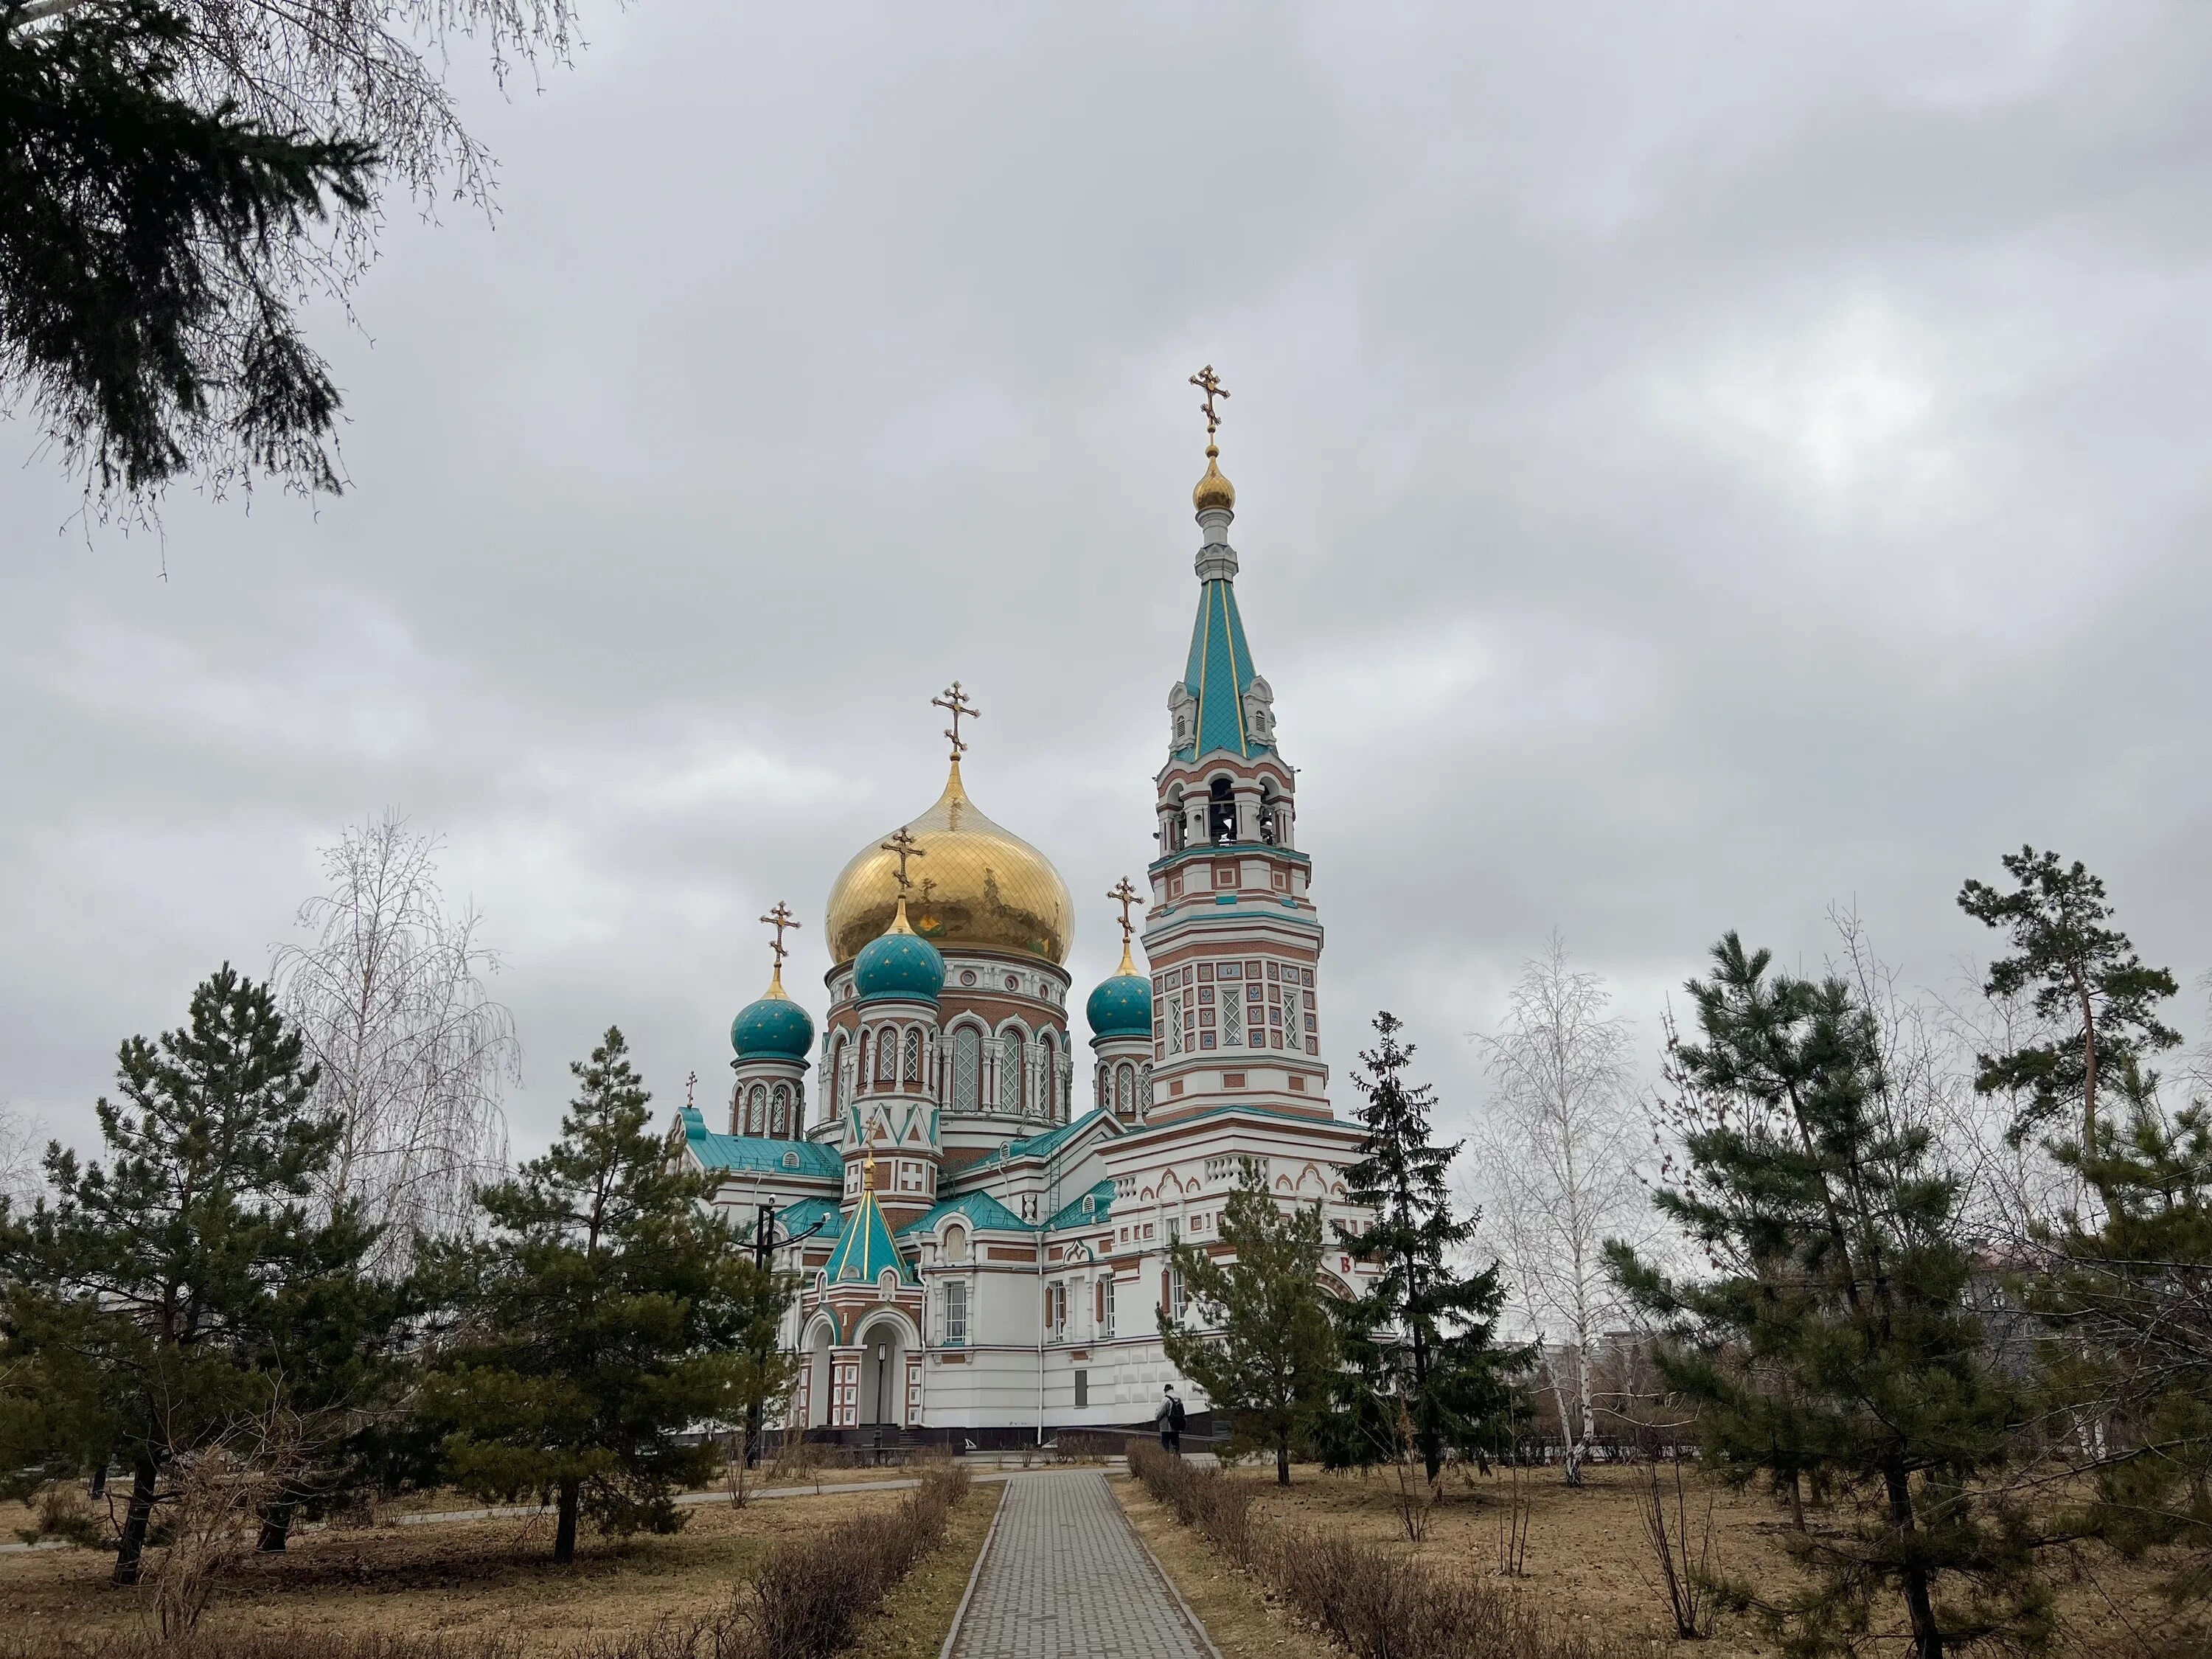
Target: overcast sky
{"type": "Point", "coordinates": [1695, 464]}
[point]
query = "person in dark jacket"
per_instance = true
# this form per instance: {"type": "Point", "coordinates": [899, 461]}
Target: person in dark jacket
{"type": "Point", "coordinates": [1168, 1419]}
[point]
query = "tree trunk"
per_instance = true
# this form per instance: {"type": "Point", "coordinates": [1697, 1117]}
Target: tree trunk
{"type": "Point", "coordinates": [1927, 1635]}
{"type": "Point", "coordinates": [1282, 1462]}
{"type": "Point", "coordinates": [564, 1532]}
{"type": "Point", "coordinates": [276, 1526]}
{"type": "Point", "coordinates": [131, 1548]}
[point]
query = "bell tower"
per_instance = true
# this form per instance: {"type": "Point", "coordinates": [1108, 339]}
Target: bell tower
{"type": "Point", "coordinates": [1232, 937]}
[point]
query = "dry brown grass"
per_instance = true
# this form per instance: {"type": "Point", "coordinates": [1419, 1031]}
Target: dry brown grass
{"type": "Point", "coordinates": [1243, 1620]}
{"type": "Point", "coordinates": [914, 1617]}
{"type": "Point", "coordinates": [1589, 1562]}
{"type": "Point", "coordinates": [458, 1579]}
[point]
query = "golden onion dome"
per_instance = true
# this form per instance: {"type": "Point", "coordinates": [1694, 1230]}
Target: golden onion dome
{"type": "Point", "coordinates": [975, 884]}
{"type": "Point", "coordinates": [1213, 490]}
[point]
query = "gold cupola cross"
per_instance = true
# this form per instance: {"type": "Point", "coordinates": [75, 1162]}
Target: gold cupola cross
{"type": "Point", "coordinates": [779, 918]}
{"type": "Point", "coordinates": [1125, 895]}
{"type": "Point", "coordinates": [902, 846]}
{"type": "Point", "coordinates": [955, 702]}
{"type": "Point", "coordinates": [1210, 387]}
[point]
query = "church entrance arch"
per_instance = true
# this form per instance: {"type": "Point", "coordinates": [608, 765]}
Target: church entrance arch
{"type": "Point", "coordinates": [883, 1347]}
{"type": "Point", "coordinates": [818, 1373]}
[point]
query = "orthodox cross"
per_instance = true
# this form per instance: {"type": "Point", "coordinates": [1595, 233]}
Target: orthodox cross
{"type": "Point", "coordinates": [1210, 387]}
{"type": "Point", "coordinates": [690, 1083]}
{"type": "Point", "coordinates": [1125, 895]}
{"type": "Point", "coordinates": [779, 918]}
{"type": "Point", "coordinates": [956, 701]}
{"type": "Point", "coordinates": [903, 846]}
{"type": "Point", "coordinates": [928, 885]}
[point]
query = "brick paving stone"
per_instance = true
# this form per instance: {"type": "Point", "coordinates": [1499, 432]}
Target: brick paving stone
{"type": "Point", "coordinates": [1068, 1579]}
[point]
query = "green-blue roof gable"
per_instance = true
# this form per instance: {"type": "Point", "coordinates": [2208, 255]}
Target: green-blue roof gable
{"type": "Point", "coordinates": [865, 1249]}
{"type": "Point", "coordinates": [980, 1211]}
{"type": "Point", "coordinates": [1051, 1141]}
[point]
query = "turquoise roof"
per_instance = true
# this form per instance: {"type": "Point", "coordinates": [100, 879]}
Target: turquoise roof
{"type": "Point", "coordinates": [866, 1249]}
{"type": "Point", "coordinates": [1218, 675]}
{"type": "Point", "coordinates": [1099, 1198]}
{"type": "Point", "coordinates": [899, 964]}
{"type": "Point", "coordinates": [981, 1210]}
{"type": "Point", "coordinates": [758, 1155]}
{"type": "Point", "coordinates": [1051, 1141]}
{"type": "Point", "coordinates": [774, 1027]}
{"type": "Point", "coordinates": [797, 1218]}
{"type": "Point", "coordinates": [1120, 1006]}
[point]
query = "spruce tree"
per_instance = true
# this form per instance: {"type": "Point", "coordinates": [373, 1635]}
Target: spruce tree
{"type": "Point", "coordinates": [2082, 978]}
{"type": "Point", "coordinates": [1263, 1347]}
{"type": "Point", "coordinates": [604, 1313]}
{"type": "Point", "coordinates": [151, 1296]}
{"type": "Point", "coordinates": [1833, 1338]}
{"type": "Point", "coordinates": [1421, 1339]}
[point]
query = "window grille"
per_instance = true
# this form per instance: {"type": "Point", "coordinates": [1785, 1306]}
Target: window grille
{"type": "Point", "coordinates": [1106, 1305]}
{"type": "Point", "coordinates": [779, 1112]}
{"type": "Point", "coordinates": [1232, 1021]}
{"type": "Point", "coordinates": [966, 1069]}
{"type": "Point", "coordinates": [886, 1056]}
{"type": "Point", "coordinates": [1125, 1084]}
{"type": "Point", "coordinates": [1293, 1031]}
{"type": "Point", "coordinates": [756, 1110]}
{"type": "Point", "coordinates": [1009, 1073]}
{"type": "Point", "coordinates": [913, 1067]}
{"type": "Point", "coordinates": [1174, 1023]}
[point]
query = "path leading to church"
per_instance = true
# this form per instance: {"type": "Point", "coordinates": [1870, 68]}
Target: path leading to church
{"type": "Point", "coordinates": [1066, 1577]}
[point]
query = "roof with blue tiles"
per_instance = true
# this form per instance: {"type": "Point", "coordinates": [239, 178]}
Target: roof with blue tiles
{"type": "Point", "coordinates": [865, 1250]}
{"type": "Point", "coordinates": [1092, 1207]}
{"type": "Point", "coordinates": [1219, 674]}
{"type": "Point", "coordinates": [757, 1155]}
{"type": "Point", "coordinates": [980, 1210]}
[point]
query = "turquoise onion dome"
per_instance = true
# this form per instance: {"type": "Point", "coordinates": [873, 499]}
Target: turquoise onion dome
{"type": "Point", "coordinates": [898, 962]}
{"type": "Point", "coordinates": [1121, 1006]}
{"type": "Point", "coordinates": [773, 1028]}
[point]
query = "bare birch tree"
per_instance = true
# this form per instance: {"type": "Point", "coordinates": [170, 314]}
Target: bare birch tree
{"type": "Point", "coordinates": [19, 1156]}
{"type": "Point", "coordinates": [1561, 1169]}
{"type": "Point", "coordinates": [391, 1000]}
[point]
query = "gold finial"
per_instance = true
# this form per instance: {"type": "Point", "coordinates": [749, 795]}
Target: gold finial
{"type": "Point", "coordinates": [956, 701]}
{"type": "Point", "coordinates": [868, 1172]}
{"type": "Point", "coordinates": [1214, 492]}
{"type": "Point", "coordinates": [779, 918]}
{"type": "Point", "coordinates": [1125, 895]}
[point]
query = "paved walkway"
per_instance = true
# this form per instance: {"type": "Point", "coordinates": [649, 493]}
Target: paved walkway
{"type": "Point", "coordinates": [1068, 1578]}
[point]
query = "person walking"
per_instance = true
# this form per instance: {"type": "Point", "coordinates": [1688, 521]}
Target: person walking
{"type": "Point", "coordinates": [1169, 1421]}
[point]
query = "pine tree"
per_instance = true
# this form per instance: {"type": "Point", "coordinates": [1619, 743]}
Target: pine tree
{"type": "Point", "coordinates": [1421, 1339]}
{"type": "Point", "coordinates": [1835, 1338]}
{"type": "Point", "coordinates": [2130, 1311]}
{"type": "Point", "coordinates": [1267, 1351]}
{"type": "Point", "coordinates": [604, 1316]}
{"type": "Point", "coordinates": [2083, 976]}
{"type": "Point", "coordinates": [153, 1294]}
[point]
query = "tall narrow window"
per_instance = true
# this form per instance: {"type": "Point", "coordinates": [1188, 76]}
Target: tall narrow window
{"type": "Point", "coordinates": [756, 1110]}
{"type": "Point", "coordinates": [1106, 1305]}
{"type": "Point", "coordinates": [955, 1314]}
{"type": "Point", "coordinates": [863, 1074]}
{"type": "Point", "coordinates": [886, 1057]}
{"type": "Point", "coordinates": [913, 1066]}
{"type": "Point", "coordinates": [1293, 1033]}
{"type": "Point", "coordinates": [1174, 1022]}
{"type": "Point", "coordinates": [1232, 1016]}
{"type": "Point", "coordinates": [967, 1070]}
{"type": "Point", "coordinates": [1009, 1073]}
{"type": "Point", "coordinates": [779, 1112]}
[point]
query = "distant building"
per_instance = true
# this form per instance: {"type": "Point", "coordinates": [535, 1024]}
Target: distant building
{"type": "Point", "coordinates": [991, 1223]}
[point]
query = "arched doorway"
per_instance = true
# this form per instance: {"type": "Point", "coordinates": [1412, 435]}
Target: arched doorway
{"type": "Point", "coordinates": [883, 1372]}
{"type": "Point", "coordinates": [818, 1374]}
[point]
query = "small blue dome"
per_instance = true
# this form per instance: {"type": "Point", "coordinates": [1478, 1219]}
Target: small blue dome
{"type": "Point", "coordinates": [1121, 1007]}
{"type": "Point", "coordinates": [773, 1028]}
{"type": "Point", "coordinates": [899, 963]}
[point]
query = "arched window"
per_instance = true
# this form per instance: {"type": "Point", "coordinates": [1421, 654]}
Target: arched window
{"type": "Point", "coordinates": [912, 1069]}
{"type": "Point", "coordinates": [1220, 812]}
{"type": "Point", "coordinates": [1125, 1089]}
{"type": "Point", "coordinates": [1144, 1090]}
{"type": "Point", "coordinates": [966, 1069]}
{"type": "Point", "coordinates": [862, 1072]}
{"type": "Point", "coordinates": [1048, 1078]}
{"type": "Point", "coordinates": [756, 1110]}
{"type": "Point", "coordinates": [1010, 1072]}
{"type": "Point", "coordinates": [886, 1056]}
{"type": "Point", "coordinates": [1267, 813]}
{"type": "Point", "coordinates": [779, 1112]}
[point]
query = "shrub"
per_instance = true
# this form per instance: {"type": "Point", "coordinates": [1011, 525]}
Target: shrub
{"type": "Point", "coordinates": [1376, 1604]}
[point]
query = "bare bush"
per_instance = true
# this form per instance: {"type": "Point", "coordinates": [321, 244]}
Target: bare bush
{"type": "Point", "coordinates": [1681, 1546]}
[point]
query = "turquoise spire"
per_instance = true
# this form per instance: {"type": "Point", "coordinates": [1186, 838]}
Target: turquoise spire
{"type": "Point", "coordinates": [1222, 703]}
{"type": "Point", "coordinates": [864, 1248]}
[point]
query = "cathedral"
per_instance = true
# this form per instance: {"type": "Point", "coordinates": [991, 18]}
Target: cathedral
{"type": "Point", "coordinates": [979, 1223]}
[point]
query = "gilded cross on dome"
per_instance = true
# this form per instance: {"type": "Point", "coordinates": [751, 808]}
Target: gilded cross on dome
{"type": "Point", "coordinates": [690, 1083]}
{"type": "Point", "coordinates": [1210, 387]}
{"type": "Point", "coordinates": [1125, 895]}
{"type": "Point", "coordinates": [779, 918]}
{"type": "Point", "coordinates": [902, 846]}
{"type": "Point", "coordinates": [954, 699]}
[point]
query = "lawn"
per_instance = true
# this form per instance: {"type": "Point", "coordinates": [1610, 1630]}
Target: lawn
{"type": "Point", "coordinates": [453, 1579]}
{"type": "Point", "coordinates": [1587, 1557]}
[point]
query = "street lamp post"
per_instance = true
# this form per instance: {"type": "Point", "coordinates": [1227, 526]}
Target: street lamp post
{"type": "Point", "coordinates": [765, 1244]}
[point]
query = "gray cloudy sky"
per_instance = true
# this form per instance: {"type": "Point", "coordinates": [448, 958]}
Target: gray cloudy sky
{"type": "Point", "coordinates": [1697, 462]}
